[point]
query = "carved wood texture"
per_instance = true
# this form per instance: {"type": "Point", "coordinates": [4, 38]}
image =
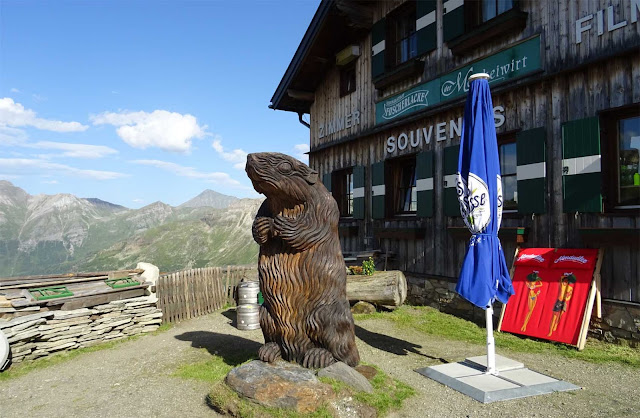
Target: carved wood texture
{"type": "Point", "coordinates": [301, 269]}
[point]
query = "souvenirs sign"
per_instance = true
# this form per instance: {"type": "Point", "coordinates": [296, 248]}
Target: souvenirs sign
{"type": "Point", "coordinates": [516, 61]}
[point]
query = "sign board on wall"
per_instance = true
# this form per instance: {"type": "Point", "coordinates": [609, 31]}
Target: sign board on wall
{"type": "Point", "coordinates": [514, 62]}
{"type": "Point", "coordinates": [439, 131]}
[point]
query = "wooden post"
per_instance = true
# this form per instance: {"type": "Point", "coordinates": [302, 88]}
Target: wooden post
{"type": "Point", "coordinates": [227, 285]}
{"type": "Point", "coordinates": [586, 319]}
{"type": "Point", "coordinates": [598, 280]}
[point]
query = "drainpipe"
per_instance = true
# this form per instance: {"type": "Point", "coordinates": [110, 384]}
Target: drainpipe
{"type": "Point", "coordinates": [302, 121]}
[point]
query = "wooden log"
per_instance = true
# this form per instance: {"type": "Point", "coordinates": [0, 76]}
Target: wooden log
{"type": "Point", "coordinates": [388, 288]}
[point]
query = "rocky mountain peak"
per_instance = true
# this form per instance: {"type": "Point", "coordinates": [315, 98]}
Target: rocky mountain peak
{"type": "Point", "coordinates": [12, 195]}
{"type": "Point", "coordinates": [210, 198]}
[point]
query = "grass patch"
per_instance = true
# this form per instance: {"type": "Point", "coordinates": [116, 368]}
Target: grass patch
{"type": "Point", "coordinates": [214, 369]}
{"type": "Point", "coordinates": [430, 321]}
{"type": "Point", "coordinates": [227, 401]}
{"type": "Point", "coordinates": [20, 369]}
{"type": "Point", "coordinates": [388, 393]}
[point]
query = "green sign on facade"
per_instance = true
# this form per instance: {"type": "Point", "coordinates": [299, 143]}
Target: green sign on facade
{"type": "Point", "coordinates": [514, 62]}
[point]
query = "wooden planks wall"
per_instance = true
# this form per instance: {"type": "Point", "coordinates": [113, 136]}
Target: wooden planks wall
{"type": "Point", "coordinates": [191, 293]}
{"type": "Point", "coordinates": [553, 20]}
{"type": "Point", "coordinates": [547, 103]}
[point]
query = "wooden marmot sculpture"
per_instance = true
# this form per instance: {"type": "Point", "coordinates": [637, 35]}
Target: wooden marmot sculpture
{"type": "Point", "coordinates": [305, 316]}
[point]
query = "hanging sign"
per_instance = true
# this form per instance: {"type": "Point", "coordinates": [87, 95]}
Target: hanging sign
{"type": "Point", "coordinates": [516, 61]}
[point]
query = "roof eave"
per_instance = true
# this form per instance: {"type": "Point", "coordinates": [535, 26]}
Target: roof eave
{"type": "Point", "coordinates": [301, 52]}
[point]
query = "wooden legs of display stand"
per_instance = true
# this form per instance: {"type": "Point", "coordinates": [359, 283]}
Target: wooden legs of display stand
{"type": "Point", "coordinates": [594, 295]}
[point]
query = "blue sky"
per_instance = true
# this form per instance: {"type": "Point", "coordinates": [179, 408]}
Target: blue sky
{"type": "Point", "coordinates": [138, 101]}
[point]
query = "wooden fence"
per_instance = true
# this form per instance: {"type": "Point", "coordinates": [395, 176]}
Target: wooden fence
{"type": "Point", "coordinates": [190, 293]}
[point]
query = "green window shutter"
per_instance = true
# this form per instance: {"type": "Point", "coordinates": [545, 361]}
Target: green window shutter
{"type": "Point", "coordinates": [377, 190]}
{"type": "Point", "coordinates": [581, 176]}
{"type": "Point", "coordinates": [426, 25]}
{"type": "Point", "coordinates": [326, 180]}
{"type": "Point", "coordinates": [531, 171]}
{"type": "Point", "coordinates": [453, 19]}
{"type": "Point", "coordinates": [424, 183]}
{"type": "Point", "coordinates": [358, 192]}
{"type": "Point", "coordinates": [377, 48]}
{"type": "Point", "coordinates": [451, 204]}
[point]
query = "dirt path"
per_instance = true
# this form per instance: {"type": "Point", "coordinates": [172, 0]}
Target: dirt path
{"type": "Point", "coordinates": [134, 379]}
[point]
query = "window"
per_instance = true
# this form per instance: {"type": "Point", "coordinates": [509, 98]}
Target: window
{"type": "Point", "coordinates": [342, 190]}
{"type": "Point", "coordinates": [401, 33]}
{"type": "Point", "coordinates": [472, 24]}
{"type": "Point", "coordinates": [403, 195]}
{"type": "Point", "coordinates": [481, 11]}
{"type": "Point", "coordinates": [622, 136]}
{"type": "Point", "coordinates": [347, 80]}
{"type": "Point", "coordinates": [508, 165]}
{"type": "Point", "coordinates": [493, 8]}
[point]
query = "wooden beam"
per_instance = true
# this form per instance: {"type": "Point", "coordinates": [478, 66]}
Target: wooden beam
{"type": "Point", "coordinates": [87, 301]}
{"type": "Point", "coordinates": [301, 95]}
{"type": "Point", "coordinates": [66, 276]}
{"type": "Point", "coordinates": [52, 282]}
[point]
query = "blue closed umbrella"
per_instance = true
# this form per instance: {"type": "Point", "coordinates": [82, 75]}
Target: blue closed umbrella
{"type": "Point", "coordinates": [484, 276]}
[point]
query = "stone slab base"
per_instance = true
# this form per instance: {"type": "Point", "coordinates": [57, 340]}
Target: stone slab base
{"type": "Point", "coordinates": [513, 380]}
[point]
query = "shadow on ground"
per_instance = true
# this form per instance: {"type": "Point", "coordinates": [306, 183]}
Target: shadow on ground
{"type": "Point", "coordinates": [231, 315]}
{"type": "Point", "coordinates": [391, 344]}
{"type": "Point", "coordinates": [234, 350]}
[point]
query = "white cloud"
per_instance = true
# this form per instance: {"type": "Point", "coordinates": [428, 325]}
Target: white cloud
{"type": "Point", "coordinates": [18, 138]}
{"type": "Point", "coordinates": [4, 176]}
{"type": "Point", "coordinates": [50, 181]}
{"type": "Point", "coordinates": [238, 156]}
{"type": "Point", "coordinates": [37, 98]}
{"type": "Point", "coordinates": [138, 200]}
{"type": "Point", "coordinates": [300, 150]}
{"type": "Point", "coordinates": [17, 166]}
{"type": "Point", "coordinates": [12, 136]}
{"type": "Point", "coordinates": [14, 115]}
{"type": "Point", "coordinates": [169, 131]}
{"type": "Point", "coordinates": [213, 177]}
{"type": "Point", "coordinates": [15, 90]}
{"type": "Point", "coordinates": [73, 150]}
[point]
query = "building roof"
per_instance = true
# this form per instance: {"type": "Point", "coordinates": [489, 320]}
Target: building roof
{"type": "Point", "coordinates": [336, 24]}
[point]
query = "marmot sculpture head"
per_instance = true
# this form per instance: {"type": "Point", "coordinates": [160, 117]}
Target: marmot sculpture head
{"type": "Point", "coordinates": [280, 177]}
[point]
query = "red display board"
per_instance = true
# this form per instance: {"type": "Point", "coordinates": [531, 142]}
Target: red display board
{"type": "Point", "coordinates": [552, 288]}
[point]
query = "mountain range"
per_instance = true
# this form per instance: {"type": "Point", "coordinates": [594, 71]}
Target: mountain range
{"type": "Point", "coordinates": [50, 234]}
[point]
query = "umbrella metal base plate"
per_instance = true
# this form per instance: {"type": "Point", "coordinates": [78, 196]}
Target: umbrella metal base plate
{"type": "Point", "coordinates": [513, 380]}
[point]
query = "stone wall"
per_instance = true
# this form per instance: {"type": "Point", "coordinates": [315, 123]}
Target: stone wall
{"type": "Point", "coordinates": [620, 321]}
{"type": "Point", "coordinates": [41, 334]}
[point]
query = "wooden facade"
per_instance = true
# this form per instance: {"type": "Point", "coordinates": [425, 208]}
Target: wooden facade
{"type": "Point", "coordinates": [588, 73]}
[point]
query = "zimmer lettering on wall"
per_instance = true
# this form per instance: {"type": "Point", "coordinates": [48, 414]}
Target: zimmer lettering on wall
{"type": "Point", "coordinates": [440, 132]}
{"type": "Point", "coordinates": [339, 124]}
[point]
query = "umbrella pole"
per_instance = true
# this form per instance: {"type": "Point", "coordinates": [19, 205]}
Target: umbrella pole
{"type": "Point", "coordinates": [491, 345]}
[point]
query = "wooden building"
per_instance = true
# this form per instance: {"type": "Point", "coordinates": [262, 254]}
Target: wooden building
{"type": "Point", "coordinates": [384, 84]}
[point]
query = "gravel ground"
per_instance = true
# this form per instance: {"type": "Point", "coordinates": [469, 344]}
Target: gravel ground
{"type": "Point", "coordinates": [134, 379]}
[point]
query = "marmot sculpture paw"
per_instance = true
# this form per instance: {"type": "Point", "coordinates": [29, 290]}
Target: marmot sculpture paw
{"type": "Point", "coordinates": [317, 358]}
{"type": "Point", "coordinates": [269, 352]}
